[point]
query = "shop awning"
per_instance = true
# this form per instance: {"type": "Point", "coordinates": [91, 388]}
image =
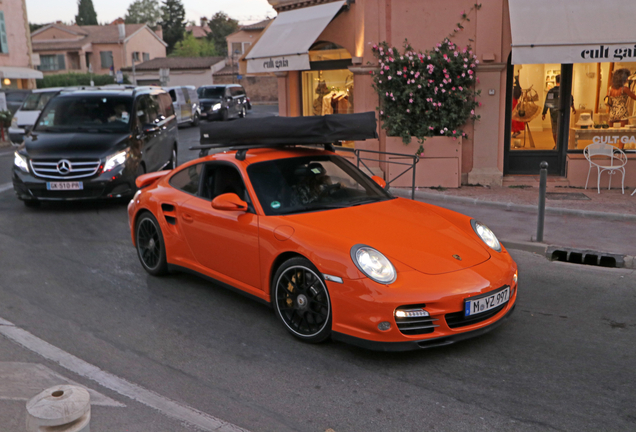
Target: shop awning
{"type": "Point", "coordinates": [285, 44]}
{"type": "Point", "coordinates": [19, 73]}
{"type": "Point", "coordinates": [581, 31]}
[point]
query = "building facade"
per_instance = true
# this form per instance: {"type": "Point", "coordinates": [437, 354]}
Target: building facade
{"type": "Point", "coordinates": [322, 49]}
{"type": "Point", "coordinates": [100, 49]}
{"type": "Point", "coordinates": [16, 59]}
{"type": "Point", "coordinates": [196, 71]}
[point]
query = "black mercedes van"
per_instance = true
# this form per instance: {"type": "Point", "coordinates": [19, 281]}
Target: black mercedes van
{"type": "Point", "coordinates": [93, 144]}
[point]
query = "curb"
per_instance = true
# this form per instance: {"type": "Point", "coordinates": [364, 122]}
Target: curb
{"type": "Point", "coordinates": [405, 193]}
{"type": "Point", "coordinates": [538, 248]}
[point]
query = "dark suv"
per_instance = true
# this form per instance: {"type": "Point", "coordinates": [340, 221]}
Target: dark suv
{"type": "Point", "coordinates": [223, 101]}
{"type": "Point", "coordinates": [92, 144]}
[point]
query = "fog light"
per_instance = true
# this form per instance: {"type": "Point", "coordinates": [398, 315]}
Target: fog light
{"type": "Point", "coordinates": [411, 313]}
{"type": "Point", "coordinates": [384, 326]}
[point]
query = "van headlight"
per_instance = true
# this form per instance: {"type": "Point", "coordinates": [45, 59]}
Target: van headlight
{"type": "Point", "coordinates": [486, 235]}
{"type": "Point", "coordinates": [216, 107]}
{"type": "Point", "coordinates": [373, 264]}
{"type": "Point", "coordinates": [113, 161]}
{"type": "Point", "coordinates": [20, 161]}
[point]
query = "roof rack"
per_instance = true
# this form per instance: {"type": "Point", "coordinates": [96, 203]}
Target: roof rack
{"type": "Point", "coordinates": [266, 132]}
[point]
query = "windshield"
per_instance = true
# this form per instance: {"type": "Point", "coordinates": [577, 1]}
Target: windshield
{"type": "Point", "coordinates": [86, 113]}
{"type": "Point", "coordinates": [311, 183]}
{"type": "Point", "coordinates": [210, 92]}
{"type": "Point", "coordinates": [36, 101]}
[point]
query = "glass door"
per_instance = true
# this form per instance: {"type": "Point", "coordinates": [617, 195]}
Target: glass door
{"type": "Point", "coordinates": [537, 108]}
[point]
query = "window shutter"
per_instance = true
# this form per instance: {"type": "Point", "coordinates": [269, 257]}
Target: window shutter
{"type": "Point", "coordinates": [61, 62]}
{"type": "Point", "coordinates": [4, 46]}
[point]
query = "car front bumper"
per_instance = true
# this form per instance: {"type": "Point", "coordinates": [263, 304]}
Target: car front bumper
{"type": "Point", "coordinates": [211, 115]}
{"type": "Point", "coordinates": [110, 185]}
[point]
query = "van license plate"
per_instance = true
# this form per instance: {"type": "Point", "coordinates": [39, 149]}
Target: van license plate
{"type": "Point", "coordinates": [64, 186]}
{"type": "Point", "coordinates": [486, 302]}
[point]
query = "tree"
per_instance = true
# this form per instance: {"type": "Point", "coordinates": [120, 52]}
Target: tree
{"type": "Point", "coordinates": [86, 14]}
{"type": "Point", "coordinates": [33, 27]}
{"type": "Point", "coordinates": [221, 26]}
{"type": "Point", "coordinates": [193, 47]}
{"type": "Point", "coordinates": [172, 22]}
{"type": "Point", "coordinates": [143, 12]}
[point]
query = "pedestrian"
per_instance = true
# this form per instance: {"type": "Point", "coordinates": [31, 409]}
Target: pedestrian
{"type": "Point", "coordinates": [617, 97]}
{"type": "Point", "coordinates": [552, 102]}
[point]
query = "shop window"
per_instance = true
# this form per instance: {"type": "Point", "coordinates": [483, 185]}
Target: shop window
{"type": "Point", "coordinates": [602, 95]}
{"type": "Point", "coordinates": [327, 92]}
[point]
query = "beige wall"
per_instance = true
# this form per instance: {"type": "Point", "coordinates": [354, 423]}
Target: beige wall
{"type": "Point", "coordinates": [17, 34]}
{"type": "Point", "coordinates": [241, 36]}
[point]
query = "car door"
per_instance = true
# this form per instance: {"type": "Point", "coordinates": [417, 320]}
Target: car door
{"type": "Point", "coordinates": [186, 106]}
{"type": "Point", "coordinates": [175, 104]}
{"type": "Point", "coordinates": [148, 133]}
{"type": "Point", "coordinates": [226, 242]}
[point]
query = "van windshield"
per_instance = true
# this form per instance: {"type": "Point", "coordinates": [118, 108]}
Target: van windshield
{"type": "Point", "coordinates": [36, 101]}
{"type": "Point", "coordinates": [86, 113]}
{"type": "Point", "coordinates": [210, 92]}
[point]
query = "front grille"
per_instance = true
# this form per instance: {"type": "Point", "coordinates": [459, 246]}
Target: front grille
{"type": "Point", "coordinates": [71, 168]}
{"type": "Point", "coordinates": [457, 319]}
{"type": "Point", "coordinates": [416, 326]}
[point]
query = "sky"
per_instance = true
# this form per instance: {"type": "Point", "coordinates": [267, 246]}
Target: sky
{"type": "Point", "coordinates": [246, 11]}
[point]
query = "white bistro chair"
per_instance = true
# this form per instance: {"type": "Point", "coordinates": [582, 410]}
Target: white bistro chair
{"type": "Point", "coordinates": [605, 157]}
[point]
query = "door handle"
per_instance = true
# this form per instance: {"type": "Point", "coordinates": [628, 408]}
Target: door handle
{"type": "Point", "coordinates": [187, 218]}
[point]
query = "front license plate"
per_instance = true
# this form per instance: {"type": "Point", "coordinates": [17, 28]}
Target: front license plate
{"type": "Point", "coordinates": [64, 186]}
{"type": "Point", "coordinates": [484, 303]}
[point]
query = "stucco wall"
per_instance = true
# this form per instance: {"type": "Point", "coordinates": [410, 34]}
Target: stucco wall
{"type": "Point", "coordinates": [17, 37]}
{"type": "Point", "coordinates": [55, 34]}
{"type": "Point", "coordinates": [258, 88]}
{"type": "Point", "coordinates": [196, 78]}
{"type": "Point", "coordinates": [144, 41]}
{"type": "Point", "coordinates": [241, 36]}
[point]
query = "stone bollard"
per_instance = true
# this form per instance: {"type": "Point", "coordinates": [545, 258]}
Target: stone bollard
{"type": "Point", "coordinates": [63, 408]}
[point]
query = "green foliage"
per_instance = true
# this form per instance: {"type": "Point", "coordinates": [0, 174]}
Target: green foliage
{"type": "Point", "coordinates": [173, 22]}
{"type": "Point", "coordinates": [5, 118]}
{"type": "Point", "coordinates": [143, 12]}
{"type": "Point", "coordinates": [33, 27]}
{"type": "Point", "coordinates": [425, 94]}
{"type": "Point", "coordinates": [76, 79]}
{"type": "Point", "coordinates": [86, 14]}
{"type": "Point", "coordinates": [221, 26]}
{"type": "Point", "coordinates": [193, 47]}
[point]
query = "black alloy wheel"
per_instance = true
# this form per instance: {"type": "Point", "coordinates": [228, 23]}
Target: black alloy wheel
{"type": "Point", "coordinates": [243, 112]}
{"type": "Point", "coordinates": [195, 119]}
{"type": "Point", "coordinates": [301, 300]}
{"type": "Point", "coordinates": [150, 245]}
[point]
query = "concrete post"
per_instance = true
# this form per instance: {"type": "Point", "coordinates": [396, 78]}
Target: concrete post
{"type": "Point", "coordinates": [65, 407]}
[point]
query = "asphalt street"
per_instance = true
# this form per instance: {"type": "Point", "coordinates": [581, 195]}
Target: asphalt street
{"type": "Point", "coordinates": [70, 278]}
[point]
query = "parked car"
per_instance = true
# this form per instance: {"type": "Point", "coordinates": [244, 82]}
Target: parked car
{"type": "Point", "coordinates": [186, 104]}
{"type": "Point", "coordinates": [25, 117]}
{"type": "Point", "coordinates": [93, 144]}
{"type": "Point", "coordinates": [15, 98]}
{"type": "Point", "coordinates": [222, 102]}
{"type": "Point", "coordinates": [332, 252]}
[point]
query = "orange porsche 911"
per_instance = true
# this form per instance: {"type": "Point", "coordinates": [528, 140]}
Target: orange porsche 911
{"type": "Point", "coordinates": [301, 228]}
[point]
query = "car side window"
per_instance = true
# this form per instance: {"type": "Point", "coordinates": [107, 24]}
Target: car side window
{"type": "Point", "coordinates": [142, 110]}
{"type": "Point", "coordinates": [187, 180]}
{"type": "Point", "coordinates": [166, 104]}
{"type": "Point", "coordinates": [173, 95]}
{"type": "Point", "coordinates": [219, 179]}
{"type": "Point", "coordinates": [228, 92]}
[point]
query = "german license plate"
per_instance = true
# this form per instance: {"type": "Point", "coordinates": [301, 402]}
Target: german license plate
{"type": "Point", "coordinates": [64, 186]}
{"type": "Point", "coordinates": [484, 303]}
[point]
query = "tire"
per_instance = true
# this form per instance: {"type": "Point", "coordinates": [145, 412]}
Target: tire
{"type": "Point", "coordinates": [172, 163]}
{"type": "Point", "coordinates": [301, 300]}
{"type": "Point", "coordinates": [151, 248]}
{"type": "Point", "coordinates": [243, 112]}
{"type": "Point", "coordinates": [225, 114]}
{"type": "Point", "coordinates": [195, 120]}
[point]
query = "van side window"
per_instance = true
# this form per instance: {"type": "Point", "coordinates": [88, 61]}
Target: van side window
{"type": "Point", "coordinates": [173, 95]}
{"type": "Point", "coordinates": [187, 179]}
{"type": "Point", "coordinates": [166, 104]}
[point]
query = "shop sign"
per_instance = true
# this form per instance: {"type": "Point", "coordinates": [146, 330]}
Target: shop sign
{"type": "Point", "coordinates": [613, 54]}
{"type": "Point", "coordinates": [592, 53]}
{"type": "Point", "coordinates": [278, 64]}
{"type": "Point", "coordinates": [625, 139]}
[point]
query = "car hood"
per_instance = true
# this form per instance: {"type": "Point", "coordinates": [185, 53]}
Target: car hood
{"type": "Point", "coordinates": [77, 145]}
{"type": "Point", "coordinates": [402, 230]}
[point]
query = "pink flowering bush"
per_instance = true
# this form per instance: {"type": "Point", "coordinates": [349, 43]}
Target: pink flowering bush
{"type": "Point", "coordinates": [425, 94]}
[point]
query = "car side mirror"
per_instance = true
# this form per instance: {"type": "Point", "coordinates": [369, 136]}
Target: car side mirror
{"type": "Point", "coordinates": [28, 129]}
{"type": "Point", "coordinates": [149, 128]}
{"type": "Point", "coordinates": [380, 181]}
{"type": "Point", "coordinates": [229, 202]}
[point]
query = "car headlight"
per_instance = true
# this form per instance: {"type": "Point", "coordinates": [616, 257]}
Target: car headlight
{"type": "Point", "coordinates": [115, 160]}
{"type": "Point", "coordinates": [20, 161]}
{"type": "Point", "coordinates": [486, 235]}
{"type": "Point", "coordinates": [216, 107]}
{"type": "Point", "coordinates": [373, 264]}
{"type": "Point", "coordinates": [14, 122]}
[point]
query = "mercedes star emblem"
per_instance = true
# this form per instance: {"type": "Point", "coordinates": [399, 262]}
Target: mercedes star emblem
{"type": "Point", "coordinates": [64, 166]}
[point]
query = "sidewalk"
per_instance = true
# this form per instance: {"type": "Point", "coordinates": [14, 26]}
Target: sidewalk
{"type": "Point", "coordinates": [604, 222]}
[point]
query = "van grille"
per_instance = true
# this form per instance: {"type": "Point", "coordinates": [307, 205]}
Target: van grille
{"type": "Point", "coordinates": [65, 169]}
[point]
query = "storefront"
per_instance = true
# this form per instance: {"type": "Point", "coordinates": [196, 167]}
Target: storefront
{"type": "Point", "coordinates": [564, 64]}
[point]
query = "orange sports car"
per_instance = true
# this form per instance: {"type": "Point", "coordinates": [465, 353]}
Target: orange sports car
{"type": "Point", "coordinates": [302, 229]}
